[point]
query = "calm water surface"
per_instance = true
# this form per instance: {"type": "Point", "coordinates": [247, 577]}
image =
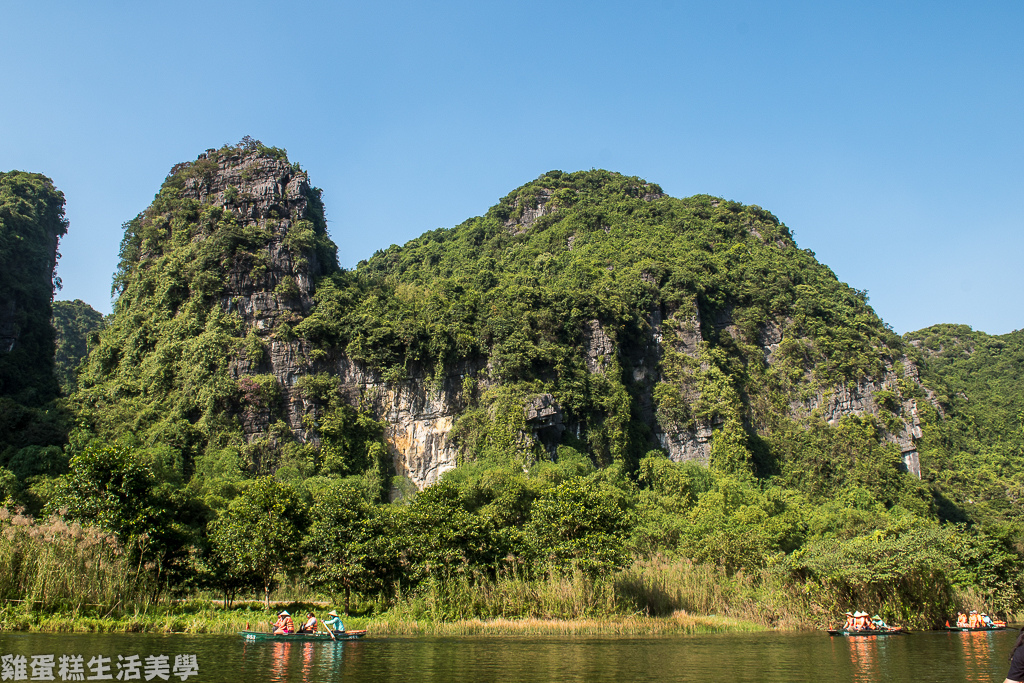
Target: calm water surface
{"type": "Point", "coordinates": [763, 657]}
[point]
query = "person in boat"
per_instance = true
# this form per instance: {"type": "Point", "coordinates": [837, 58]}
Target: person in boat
{"type": "Point", "coordinates": [961, 619]}
{"type": "Point", "coordinates": [334, 623]}
{"type": "Point", "coordinates": [974, 621]}
{"type": "Point", "coordinates": [310, 625]}
{"type": "Point", "coordinates": [861, 621]}
{"type": "Point", "coordinates": [849, 622]}
{"type": "Point", "coordinates": [877, 623]}
{"type": "Point", "coordinates": [284, 625]}
{"type": "Point", "coordinates": [1016, 673]}
{"type": "Point", "coordinates": [987, 621]}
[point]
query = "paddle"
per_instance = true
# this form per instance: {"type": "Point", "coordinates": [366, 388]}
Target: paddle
{"type": "Point", "coordinates": [327, 628]}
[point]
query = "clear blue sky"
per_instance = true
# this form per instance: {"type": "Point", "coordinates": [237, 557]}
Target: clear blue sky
{"type": "Point", "coordinates": [889, 136]}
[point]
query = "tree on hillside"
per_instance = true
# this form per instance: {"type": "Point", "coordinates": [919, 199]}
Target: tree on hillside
{"type": "Point", "coordinates": [259, 533]}
{"type": "Point", "coordinates": [112, 487]}
{"type": "Point", "coordinates": [352, 544]}
{"type": "Point", "coordinates": [108, 486]}
{"type": "Point", "coordinates": [578, 525]}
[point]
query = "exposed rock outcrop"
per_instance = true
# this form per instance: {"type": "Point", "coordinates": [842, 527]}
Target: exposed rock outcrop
{"type": "Point", "coordinates": [531, 210]}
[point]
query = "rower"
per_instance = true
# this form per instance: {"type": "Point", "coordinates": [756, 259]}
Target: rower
{"type": "Point", "coordinates": [876, 622]}
{"type": "Point", "coordinates": [986, 620]}
{"type": "Point", "coordinates": [334, 623]}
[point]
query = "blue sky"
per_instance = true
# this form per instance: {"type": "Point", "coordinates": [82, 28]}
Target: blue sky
{"type": "Point", "coordinates": [886, 135]}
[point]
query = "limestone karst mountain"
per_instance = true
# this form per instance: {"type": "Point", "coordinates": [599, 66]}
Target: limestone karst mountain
{"type": "Point", "coordinates": [587, 311]}
{"type": "Point", "coordinates": [31, 225]}
{"type": "Point", "coordinates": [32, 426]}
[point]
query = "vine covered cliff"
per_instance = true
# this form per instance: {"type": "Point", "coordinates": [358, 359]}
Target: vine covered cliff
{"type": "Point", "coordinates": [31, 225]}
{"type": "Point", "coordinates": [32, 426]}
{"type": "Point", "coordinates": [585, 311]}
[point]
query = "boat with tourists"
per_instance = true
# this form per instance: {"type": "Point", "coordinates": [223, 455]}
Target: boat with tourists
{"type": "Point", "coordinates": [284, 630]}
{"type": "Point", "coordinates": [858, 624]}
{"type": "Point", "coordinates": [975, 622]}
{"type": "Point", "coordinates": [319, 637]}
{"type": "Point", "coordinates": [978, 628]}
{"type": "Point", "coordinates": [867, 632]}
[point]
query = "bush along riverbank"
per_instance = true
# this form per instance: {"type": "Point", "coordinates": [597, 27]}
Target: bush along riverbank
{"type": "Point", "coordinates": [562, 542]}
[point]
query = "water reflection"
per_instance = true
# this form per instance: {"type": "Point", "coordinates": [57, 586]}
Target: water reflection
{"type": "Point", "coordinates": [978, 652]}
{"type": "Point", "coordinates": [863, 657]}
{"type": "Point", "coordinates": [766, 657]}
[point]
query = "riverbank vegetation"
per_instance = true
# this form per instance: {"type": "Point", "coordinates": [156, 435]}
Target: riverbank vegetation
{"type": "Point", "coordinates": [564, 542]}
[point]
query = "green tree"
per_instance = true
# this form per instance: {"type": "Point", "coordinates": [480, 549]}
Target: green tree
{"type": "Point", "coordinates": [352, 544]}
{"type": "Point", "coordinates": [578, 525]}
{"type": "Point", "coordinates": [259, 533]}
{"type": "Point", "coordinates": [110, 486]}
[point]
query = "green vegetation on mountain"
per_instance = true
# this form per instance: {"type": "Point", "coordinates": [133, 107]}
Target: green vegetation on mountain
{"type": "Point", "coordinates": [31, 222]}
{"type": "Point", "coordinates": [977, 445]}
{"type": "Point", "coordinates": [159, 376]}
{"type": "Point", "coordinates": [75, 323]}
{"type": "Point", "coordinates": [611, 249]}
{"type": "Point", "coordinates": [218, 444]}
{"type": "Point", "coordinates": [33, 427]}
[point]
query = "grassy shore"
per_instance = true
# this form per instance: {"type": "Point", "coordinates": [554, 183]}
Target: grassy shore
{"type": "Point", "coordinates": [206, 617]}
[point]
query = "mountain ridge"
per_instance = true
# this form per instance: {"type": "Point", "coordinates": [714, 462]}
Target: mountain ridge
{"type": "Point", "coordinates": [694, 316]}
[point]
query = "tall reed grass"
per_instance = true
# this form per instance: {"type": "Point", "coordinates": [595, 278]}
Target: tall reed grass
{"type": "Point", "coordinates": [56, 565]}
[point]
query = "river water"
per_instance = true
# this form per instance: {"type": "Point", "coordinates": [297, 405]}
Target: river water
{"type": "Point", "coordinates": [763, 657]}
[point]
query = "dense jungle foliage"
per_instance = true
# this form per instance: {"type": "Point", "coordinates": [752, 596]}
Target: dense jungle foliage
{"type": "Point", "coordinates": [716, 320]}
{"type": "Point", "coordinates": [75, 324]}
{"type": "Point", "coordinates": [31, 223]}
{"type": "Point", "coordinates": [978, 445]}
{"type": "Point", "coordinates": [33, 426]}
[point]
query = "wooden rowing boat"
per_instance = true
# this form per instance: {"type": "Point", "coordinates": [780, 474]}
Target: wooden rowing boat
{"type": "Point", "coordinates": [867, 632]}
{"type": "Point", "coordinates": [301, 637]}
{"type": "Point", "coordinates": [981, 628]}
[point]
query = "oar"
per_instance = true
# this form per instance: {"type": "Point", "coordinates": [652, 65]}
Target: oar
{"type": "Point", "coordinates": [327, 628]}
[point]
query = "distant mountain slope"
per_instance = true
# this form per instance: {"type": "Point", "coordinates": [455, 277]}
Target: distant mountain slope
{"type": "Point", "coordinates": [983, 376]}
{"type": "Point", "coordinates": [73, 322]}
{"type": "Point", "coordinates": [978, 446]}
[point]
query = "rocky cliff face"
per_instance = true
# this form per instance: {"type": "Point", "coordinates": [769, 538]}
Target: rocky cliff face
{"type": "Point", "coordinates": [271, 289]}
{"type": "Point", "coordinates": [274, 287]}
{"type": "Point", "coordinates": [879, 397]}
